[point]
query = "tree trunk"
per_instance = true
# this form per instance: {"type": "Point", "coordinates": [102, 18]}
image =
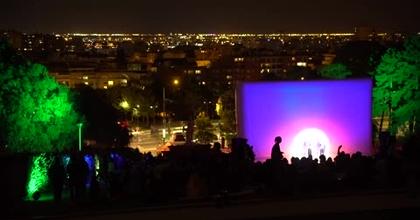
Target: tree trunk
{"type": "Point", "coordinates": [190, 131]}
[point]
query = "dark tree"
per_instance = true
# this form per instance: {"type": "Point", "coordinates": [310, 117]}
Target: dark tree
{"type": "Point", "coordinates": [335, 71]}
{"type": "Point", "coordinates": [102, 120]}
{"type": "Point", "coordinates": [360, 57]}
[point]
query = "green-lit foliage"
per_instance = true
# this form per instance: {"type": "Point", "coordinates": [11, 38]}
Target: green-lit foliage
{"type": "Point", "coordinates": [38, 178]}
{"type": "Point", "coordinates": [35, 111]}
{"type": "Point", "coordinates": [335, 71]}
{"type": "Point", "coordinates": [397, 84]}
{"type": "Point", "coordinates": [204, 129]}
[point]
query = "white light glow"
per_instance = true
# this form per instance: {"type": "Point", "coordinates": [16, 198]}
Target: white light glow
{"type": "Point", "coordinates": [310, 141]}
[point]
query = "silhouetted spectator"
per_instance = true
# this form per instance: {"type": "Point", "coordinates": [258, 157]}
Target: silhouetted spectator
{"type": "Point", "coordinates": [94, 187]}
{"type": "Point", "coordinates": [57, 176]}
{"type": "Point", "coordinates": [276, 154]}
{"type": "Point", "coordinates": [216, 147]}
{"type": "Point", "coordinates": [78, 170]}
{"type": "Point", "coordinates": [411, 156]}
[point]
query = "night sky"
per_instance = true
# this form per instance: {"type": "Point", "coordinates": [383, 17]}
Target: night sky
{"type": "Point", "coordinates": [228, 16]}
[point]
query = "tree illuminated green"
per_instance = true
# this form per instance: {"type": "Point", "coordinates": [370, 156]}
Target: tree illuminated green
{"type": "Point", "coordinates": [38, 175]}
{"type": "Point", "coordinates": [36, 112]}
{"type": "Point", "coordinates": [335, 71]}
{"type": "Point", "coordinates": [397, 85]}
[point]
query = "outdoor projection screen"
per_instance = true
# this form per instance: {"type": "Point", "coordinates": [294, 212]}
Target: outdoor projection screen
{"type": "Point", "coordinates": [311, 116]}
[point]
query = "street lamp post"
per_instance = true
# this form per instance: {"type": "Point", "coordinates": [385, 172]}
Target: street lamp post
{"type": "Point", "coordinates": [79, 125]}
{"type": "Point", "coordinates": [163, 115]}
{"type": "Point", "coordinates": [126, 106]}
{"type": "Point", "coordinates": [175, 83]}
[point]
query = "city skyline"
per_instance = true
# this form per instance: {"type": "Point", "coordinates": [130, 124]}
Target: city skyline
{"type": "Point", "coordinates": [187, 16]}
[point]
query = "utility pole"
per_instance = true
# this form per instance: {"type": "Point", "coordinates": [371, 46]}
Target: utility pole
{"type": "Point", "coordinates": [80, 135]}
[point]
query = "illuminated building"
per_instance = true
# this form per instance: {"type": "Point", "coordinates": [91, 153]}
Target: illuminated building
{"type": "Point", "coordinates": [96, 80]}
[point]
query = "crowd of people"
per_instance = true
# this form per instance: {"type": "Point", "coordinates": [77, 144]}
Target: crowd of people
{"type": "Point", "coordinates": [201, 171]}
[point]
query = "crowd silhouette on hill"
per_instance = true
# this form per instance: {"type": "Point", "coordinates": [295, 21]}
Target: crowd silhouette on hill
{"type": "Point", "coordinates": [200, 171]}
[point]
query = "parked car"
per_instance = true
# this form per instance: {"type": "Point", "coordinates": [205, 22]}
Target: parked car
{"type": "Point", "coordinates": [176, 139]}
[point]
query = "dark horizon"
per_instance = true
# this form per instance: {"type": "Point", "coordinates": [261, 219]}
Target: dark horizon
{"type": "Point", "coordinates": [212, 33]}
{"type": "Point", "coordinates": [188, 16]}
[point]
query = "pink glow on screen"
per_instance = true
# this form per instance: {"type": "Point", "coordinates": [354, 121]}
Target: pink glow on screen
{"type": "Point", "coordinates": [315, 115]}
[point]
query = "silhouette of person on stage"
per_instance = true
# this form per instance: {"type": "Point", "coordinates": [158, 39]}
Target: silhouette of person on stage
{"type": "Point", "coordinates": [276, 154]}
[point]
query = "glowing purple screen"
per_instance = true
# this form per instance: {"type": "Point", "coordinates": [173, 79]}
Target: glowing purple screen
{"type": "Point", "coordinates": [312, 117]}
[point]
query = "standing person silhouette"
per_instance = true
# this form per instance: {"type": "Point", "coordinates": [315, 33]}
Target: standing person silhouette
{"type": "Point", "coordinates": [276, 154]}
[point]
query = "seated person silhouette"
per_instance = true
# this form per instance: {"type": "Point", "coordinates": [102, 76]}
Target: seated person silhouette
{"type": "Point", "coordinates": [276, 154]}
